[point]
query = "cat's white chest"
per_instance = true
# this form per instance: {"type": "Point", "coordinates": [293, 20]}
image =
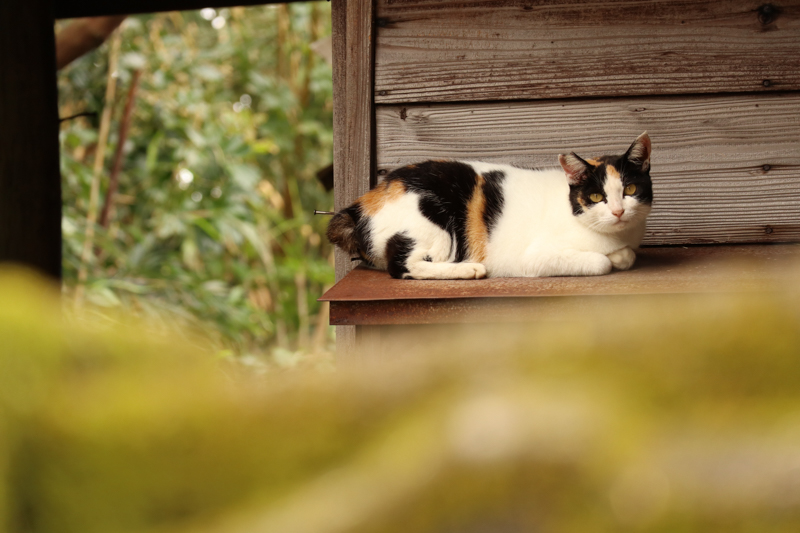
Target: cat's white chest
{"type": "Point", "coordinates": [537, 225]}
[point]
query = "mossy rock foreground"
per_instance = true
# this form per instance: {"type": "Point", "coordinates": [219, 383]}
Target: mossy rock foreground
{"type": "Point", "coordinates": [666, 414]}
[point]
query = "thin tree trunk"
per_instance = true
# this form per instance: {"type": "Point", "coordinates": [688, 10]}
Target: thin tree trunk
{"type": "Point", "coordinates": [310, 57]}
{"type": "Point", "coordinates": [99, 160]}
{"type": "Point", "coordinates": [283, 24]}
{"type": "Point", "coordinates": [322, 326]}
{"type": "Point", "coordinates": [304, 322]}
{"type": "Point", "coordinates": [124, 125]}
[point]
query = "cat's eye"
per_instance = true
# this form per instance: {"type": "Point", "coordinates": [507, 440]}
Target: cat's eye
{"type": "Point", "coordinates": [596, 197]}
{"type": "Point", "coordinates": [630, 189]}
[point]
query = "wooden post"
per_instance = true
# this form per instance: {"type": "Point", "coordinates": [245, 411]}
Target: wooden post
{"type": "Point", "coordinates": [353, 120]}
{"type": "Point", "coordinates": [30, 181]}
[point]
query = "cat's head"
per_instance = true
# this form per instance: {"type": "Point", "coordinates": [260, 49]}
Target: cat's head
{"type": "Point", "coordinates": [613, 192]}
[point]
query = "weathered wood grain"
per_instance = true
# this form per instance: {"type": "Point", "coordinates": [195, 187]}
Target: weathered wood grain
{"type": "Point", "coordinates": [345, 335]}
{"type": "Point", "coordinates": [30, 182]}
{"type": "Point", "coordinates": [339, 68]}
{"type": "Point", "coordinates": [468, 50]}
{"type": "Point", "coordinates": [353, 120]}
{"type": "Point", "coordinates": [725, 169]}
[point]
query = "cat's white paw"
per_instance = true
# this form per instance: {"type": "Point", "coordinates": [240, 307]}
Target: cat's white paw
{"type": "Point", "coordinates": [622, 259]}
{"type": "Point", "coordinates": [471, 270]}
{"type": "Point", "coordinates": [596, 265]}
{"type": "Point", "coordinates": [429, 270]}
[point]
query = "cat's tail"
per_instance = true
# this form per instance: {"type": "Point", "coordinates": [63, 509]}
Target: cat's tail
{"type": "Point", "coordinates": [342, 231]}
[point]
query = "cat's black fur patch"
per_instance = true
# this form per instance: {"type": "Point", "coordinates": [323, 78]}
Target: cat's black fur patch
{"type": "Point", "coordinates": [445, 188]}
{"type": "Point", "coordinates": [351, 231]}
{"type": "Point", "coordinates": [363, 234]}
{"type": "Point", "coordinates": [633, 174]}
{"type": "Point", "coordinates": [342, 228]}
{"type": "Point", "coordinates": [493, 194]}
{"type": "Point", "coordinates": [398, 248]}
{"type": "Point", "coordinates": [593, 182]}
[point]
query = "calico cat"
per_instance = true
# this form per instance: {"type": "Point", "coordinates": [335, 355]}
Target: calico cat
{"type": "Point", "coordinates": [467, 220]}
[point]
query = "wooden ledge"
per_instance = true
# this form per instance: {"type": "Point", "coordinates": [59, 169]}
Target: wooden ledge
{"type": "Point", "coordinates": [371, 297]}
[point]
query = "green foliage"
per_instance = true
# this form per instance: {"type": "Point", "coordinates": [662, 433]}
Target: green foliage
{"type": "Point", "coordinates": [212, 223]}
{"type": "Point", "coordinates": [673, 414]}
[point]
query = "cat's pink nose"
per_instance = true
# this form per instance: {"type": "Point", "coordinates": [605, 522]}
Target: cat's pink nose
{"type": "Point", "coordinates": [618, 213]}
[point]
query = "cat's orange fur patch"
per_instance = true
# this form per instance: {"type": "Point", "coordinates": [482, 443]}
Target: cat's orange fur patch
{"type": "Point", "coordinates": [594, 162]}
{"type": "Point", "coordinates": [477, 234]}
{"type": "Point", "coordinates": [612, 172]}
{"type": "Point", "coordinates": [374, 200]}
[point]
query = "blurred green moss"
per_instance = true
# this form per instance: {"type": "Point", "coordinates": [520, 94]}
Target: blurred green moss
{"type": "Point", "coordinates": [664, 414]}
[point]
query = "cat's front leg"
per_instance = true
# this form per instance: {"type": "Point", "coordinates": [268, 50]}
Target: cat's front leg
{"type": "Point", "coordinates": [571, 263]}
{"type": "Point", "coordinates": [591, 264]}
{"type": "Point", "coordinates": [623, 258]}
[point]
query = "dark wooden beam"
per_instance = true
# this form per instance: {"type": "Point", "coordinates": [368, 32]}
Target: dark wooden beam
{"type": "Point", "coordinates": [30, 181]}
{"type": "Point", "coordinates": [65, 9]}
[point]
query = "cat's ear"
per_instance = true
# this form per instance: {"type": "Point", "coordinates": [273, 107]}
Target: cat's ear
{"type": "Point", "coordinates": [639, 152]}
{"type": "Point", "coordinates": [576, 168]}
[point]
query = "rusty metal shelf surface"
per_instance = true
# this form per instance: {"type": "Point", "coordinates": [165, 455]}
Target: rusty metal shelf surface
{"type": "Point", "coordinates": [370, 297]}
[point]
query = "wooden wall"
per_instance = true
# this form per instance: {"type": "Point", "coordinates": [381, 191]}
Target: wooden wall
{"type": "Point", "coordinates": [724, 169]}
{"type": "Point", "coordinates": [457, 50]}
{"type": "Point", "coordinates": [715, 83]}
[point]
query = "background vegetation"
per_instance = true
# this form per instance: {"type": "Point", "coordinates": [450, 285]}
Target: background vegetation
{"type": "Point", "coordinates": [212, 221]}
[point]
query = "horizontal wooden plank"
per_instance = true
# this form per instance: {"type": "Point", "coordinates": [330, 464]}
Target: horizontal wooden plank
{"type": "Point", "coordinates": [65, 9]}
{"type": "Point", "coordinates": [459, 50]}
{"type": "Point", "coordinates": [371, 297]}
{"type": "Point", "coordinates": [725, 169]}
